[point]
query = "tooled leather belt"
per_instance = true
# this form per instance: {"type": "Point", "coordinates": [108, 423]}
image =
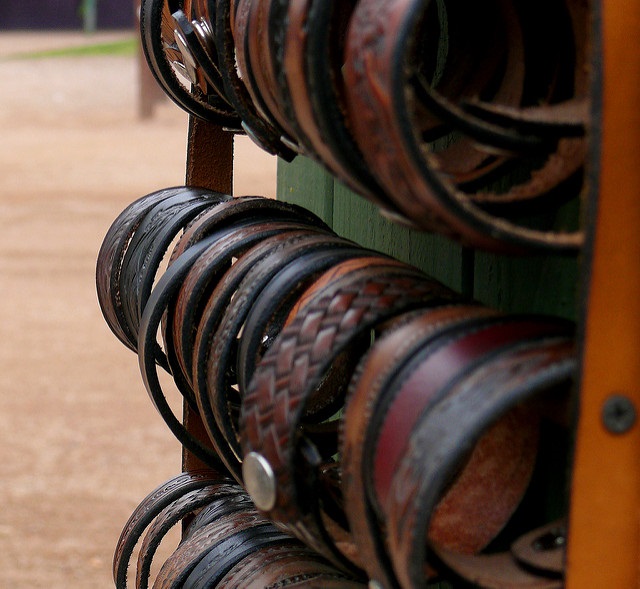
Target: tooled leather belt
{"type": "Point", "coordinates": [283, 385]}
{"type": "Point", "coordinates": [225, 544]}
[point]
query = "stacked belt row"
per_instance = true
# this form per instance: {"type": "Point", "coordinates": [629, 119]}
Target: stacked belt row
{"type": "Point", "coordinates": [367, 409]}
{"type": "Point", "coordinates": [226, 542]}
{"type": "Point", "coordinates": [453, 116]}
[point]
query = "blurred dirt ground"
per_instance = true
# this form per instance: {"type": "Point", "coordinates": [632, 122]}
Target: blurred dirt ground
{"type": "Point", "coordinates": [80, 443]}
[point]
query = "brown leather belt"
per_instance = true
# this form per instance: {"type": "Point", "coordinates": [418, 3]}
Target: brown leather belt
{"type": "Point", "coordinates": [367, 409]}
{"type": "Point", "coordinates": [453, 117]}
{"type": "Point", "coordinates": [387, 107]}
{"type": "Point", "coordinates": [226, 543]}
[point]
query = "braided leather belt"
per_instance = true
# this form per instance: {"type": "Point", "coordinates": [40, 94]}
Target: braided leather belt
{"type": "Point", "coordinates": [274, 405]}
{"type": "Point", "coordinates": [215, 346]}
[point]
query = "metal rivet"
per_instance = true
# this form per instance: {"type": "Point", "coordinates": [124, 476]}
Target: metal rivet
{"type": "Point", "coordinates": [550, 541]}
{"type": "Point", "coordinates": [618, 414]}
{"type": "Point", "coordinates": [259, 480]}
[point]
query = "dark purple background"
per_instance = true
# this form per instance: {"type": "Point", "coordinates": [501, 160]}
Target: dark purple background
{"type": "Point", "coordinates": [63, 14]}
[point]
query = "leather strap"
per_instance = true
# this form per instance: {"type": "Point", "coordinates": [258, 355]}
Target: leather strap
{"type": "Point", "coordinates": [223, 557]}
{"type": "Point", "coordinates": [476, 401]}
{"type": "Point", "coordinates": [157, 29]}
{"type": "Point", "coordinates": [275, 402]}
{"type": "Point", "coordinates": [179, 565]}
{"type": "Point", "coordinates": [176, 512]}
{"type": "Point", "coordinates": [160, 498]}
{"type": "Point", "coordinates": [216, 341]}
{"type": "Point", "coordinates": [379, 58]}
{"type": "Point", "coordinates": [237, 209]}
{"type": "Point", "coordinates": [293, 64]}
{"type": "Point", "coordinates": [113, 250]}
{"type": "Point", "coordinates": [391, 350]}
{"type": "Point", "coordinates": [148, 247]}
{"type": "Point", "coordinates": [257, 128]}
{"type": "Point", "coordinates": [284, 566]}
{"type": "Point", "coordinates": [280, 291]}
{"type": "Point", "coordinates": [162, 298]}
{"type": "Point", "coordinates": [201, 280]}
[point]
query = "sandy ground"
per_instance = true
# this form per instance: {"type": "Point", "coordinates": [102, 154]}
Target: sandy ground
{"type": "Point", "coordinates": [80, 443]}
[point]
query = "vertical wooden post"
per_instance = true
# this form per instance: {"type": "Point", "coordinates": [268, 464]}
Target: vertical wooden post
{"type": "Point", "coordinates": [89, 15]}
{"type": "Point", "coordinates": [149, 91]}
{"type": "Point", "coordinates": [209, 165]}
{"type": "Point", "coordinates": [604, 525]}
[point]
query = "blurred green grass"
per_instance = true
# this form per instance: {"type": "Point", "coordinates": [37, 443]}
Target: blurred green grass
{"type": "Point", "coordinates": [124, 47]}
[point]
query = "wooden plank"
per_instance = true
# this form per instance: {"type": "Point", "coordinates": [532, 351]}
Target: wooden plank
{"type": "Point", "coordinates": [604, 530]}
{"type": "Point", "coordinates": [536, 284]}
{"type": "Point", "coordinates": [357, 219]}
{"type": "Point", "coordinates": [305, 183]}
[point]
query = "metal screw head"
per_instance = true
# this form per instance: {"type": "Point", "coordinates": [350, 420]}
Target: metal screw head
{"type": "Point", "coordinates": [259, 480]}
{"type": "Point", "coordinates": [618, 414]}
{"type": "Point", "coordinates": [552, 540]}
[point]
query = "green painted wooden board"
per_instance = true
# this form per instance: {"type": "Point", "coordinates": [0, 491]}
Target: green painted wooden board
{"type": "Point", "coordinates": [538, 284]}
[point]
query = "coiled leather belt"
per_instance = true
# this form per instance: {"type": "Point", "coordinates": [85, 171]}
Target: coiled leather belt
{"type": "Point", "coordinates": [226, 543]}
{"type": "Point", "coordinates": [453, 117]}
{"type": "Point", "coordinates": [367, 409]}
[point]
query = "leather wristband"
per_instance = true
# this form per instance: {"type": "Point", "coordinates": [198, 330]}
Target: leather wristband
{"type": "Point", "coordinates": [148, 247]}
{"type": "Point", "coordinates": [215, 343]}
{"type": "Point", "coordinates": [258, 129]}
{"type": "Point", "coordinates": [282, 566]}
{"type": "Point", "coordinates": [280, 291]}
{"type": "Point", "coordinates": [428, 376]}
{"type": "Point", "coordinates": [162, 297]}
{"type": "Point", "coordinates": [160, 50]}
{"type": "Point", "coordinates": [378, 58]}
{"type": "Point", "coordinates": [179, 565]}
{"type": "Point", "coordinates": [163, 496]}
{"type": "Point", "coordinates": [275, 402]}
{"type": "Point", "coordinates": [252, 64]}
{"type": "Point", "coordinates": [399, 342]}
{"type": "Point", "coordinates": [201, 280]}
{"type": "Point", "coordinates": [233, 210]}
{"type": "Point", "coordinates": [294, 68]}
{"type": "Point", "coordinates": [260, 54]}
{"type": "Point", "coordinates": [223, 557]}
{"type": "Point", "coordinates": [114, 248]}
{"type": "Point", "coordinates": [474, 403]}
{"type": "Point", "coordinates": [180, 509]}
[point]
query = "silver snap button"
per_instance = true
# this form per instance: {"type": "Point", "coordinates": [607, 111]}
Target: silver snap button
{"type": "Point", "coordinates": [259, 480]}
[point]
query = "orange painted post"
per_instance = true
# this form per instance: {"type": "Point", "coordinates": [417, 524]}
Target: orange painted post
{"type": "Point", "coordinates": [604, 524]}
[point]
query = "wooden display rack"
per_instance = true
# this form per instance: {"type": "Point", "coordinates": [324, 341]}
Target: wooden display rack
{"type": "Point", "coordinates": [601, 291]}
